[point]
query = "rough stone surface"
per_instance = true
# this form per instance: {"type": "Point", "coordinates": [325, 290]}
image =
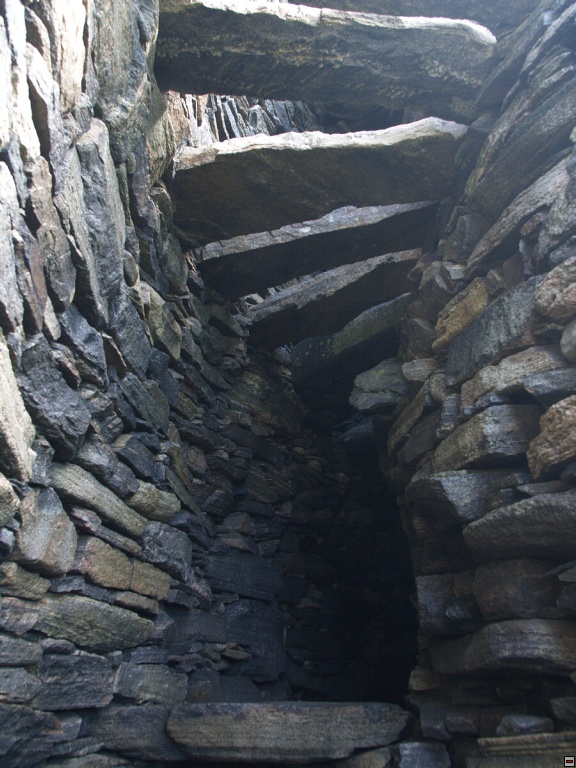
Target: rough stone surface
{"type": "Point", "coordinates": [283, 732]}
{"type": "Point", "coordinates": [515, 589]}
{"type": "Point", "coordinates": [9, 503]}
{"type": "Point", "coordinates": [462, 496]}
{"type": "Point", "coordinates": [18, 582]}
{"type": "Point", "coordinates": [151, 683]}
{"type": "Point", "coordinates": [91, 624]}
{"type": "Point", "coordinates": [75, 682]}
{"type": "Point", "coordinates": [236, 543]}
{"type": "Point", "coordinates": [500, 240]}
{"type": "Point", "coordinates": [11, 305]}
{"type": "Point", "coordinates": [556, 297]}
{"type": "Point", "coordinates": [102, 210]}
{"type": "Point", "coordinates": [538, 119]}
{"type": "Point", "coordinates": [168, 548]}
{"type": "Point", "coordinates": [554, 447]}
{"type": "Point", "coordinates": [58, 410]}
{"type": "Point", "coordinates": [153, 503]}
{"type": "Point", "coordinates": [137, 731]}
{"type": "Point", "coordinates": [16, 426]}
{"type": "Point", "coordinates": [502, 328]}
{"type": "Point", "coordinates": [46, 540]}
{"type": "Point", "coordinates": [246, 574]}
{"type": "Point", "coordinates": [380, 388]}
{"type": "Point", "coordinates": [78, 486]}
{"type": "Point", "coordinates": [495, 381]}
{"type": "Point", "coordinates": [404, 164]}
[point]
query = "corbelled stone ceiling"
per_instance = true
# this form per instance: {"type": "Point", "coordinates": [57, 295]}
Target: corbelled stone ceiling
{"type": "Point", "coordinates": [287, 383]}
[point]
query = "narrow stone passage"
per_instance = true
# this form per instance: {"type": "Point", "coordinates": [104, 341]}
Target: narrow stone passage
{"type": "Point", "coordinates": [287, 388]}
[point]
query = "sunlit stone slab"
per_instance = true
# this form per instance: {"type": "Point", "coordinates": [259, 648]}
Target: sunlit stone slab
{"type": "Point", "coordinates": [259, 183]}
{"type": "Point", "coordinates": [288, 732]}
{"type": "Point", "coordinates": [283, 51]}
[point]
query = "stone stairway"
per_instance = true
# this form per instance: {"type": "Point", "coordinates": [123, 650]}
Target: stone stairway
{"type": "Point", "coordinates": [262, 182]}
{"type": "Point", "coordinates": [252, 263]}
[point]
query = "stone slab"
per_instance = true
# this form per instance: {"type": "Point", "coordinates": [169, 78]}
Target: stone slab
{"type": "Point", "coordinates": [494, 381]}
{"type": "Point", "coordinates": [243, 180]}
{"type": "Point", "coordinates": [381, 388]}
{"type": "Point", "coordinates": [283, 733]}
{"type": "Point", "coordinates": [16, 428]}
{"type": "Point", "coordinates": [542, 526]}
{"type": "Point", "coordinates": [502, 238]}
{"type": "Point", "coordinates": [275, 50]}
{"type": "Point", "coordinates": [515, 589]}
{"type": "Point", "coordinates": [461, 496]}
{"type": "Point", "coordinates": [501, 329]}
{"type": "Point", "coordinates": [531, 645]}
{"type": "Point", "coordinates": [75, 682]}
{"type": "Point", "coordinates": [46, 540]}
{"type": "Point", "coordinates": [245, 574]}
{"type": "Point", "coordinates": [253, 262]}
{"type": "Point", "coordinates": [138, 731]}
{"type": "Point", "coordinates": [528, 137]}
{"type": "Point", "coordinates": [90, 623]}
{"type": "Point", "coordinates": [259, 628]}
{"type": "Point", "coordinates": [497, 436]}
{"type": "Point", "coordinates": [360, 344]}
{"type": "Point", "coordinates": [60, 412]}
{"type": "Point", "coordinates": [547, 750]}
{"type": "Point", "coordinates": [321, 304]}
{"type": "Point", "coordinates": [76, 485]}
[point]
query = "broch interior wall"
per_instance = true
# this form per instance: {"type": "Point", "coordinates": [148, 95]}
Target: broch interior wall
{"type": "Point", "coordinates": [192, 514]}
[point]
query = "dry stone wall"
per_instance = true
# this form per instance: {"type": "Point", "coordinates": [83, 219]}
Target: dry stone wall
{"type": "Point", "coordinates": [170, 532]}
{"type": "Point", "coordinates": [175, 529]}
{"type": "Point", "coordinates": [484, 447]}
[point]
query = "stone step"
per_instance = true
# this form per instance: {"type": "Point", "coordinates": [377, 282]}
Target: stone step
{"type": "Point", "coordinates": [273, 50]}
{"type": "Point", "coordinates": [251, 263]}
{"type": "Point", "coordinates": [259, 183]}
{"type": "Point", "coordinates": [546, 750]}
{"type": "Point", "coordinates": [321, 304]}
{"type": "Point", "coordinates": [496, 17]}
{"type": "Point", "coordinates": [325, 363]}
{"type": "Point", "coordinates": [287, 732]}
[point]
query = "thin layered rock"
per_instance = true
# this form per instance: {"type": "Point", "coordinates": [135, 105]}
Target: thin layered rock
{"type": "Point", "coordinates": [276, 50]}
{"type": "Point", "coordinates": [239, 186]}
{"type": "Point", "coordinates": [320, 304]}
{"type": "Point", "coordinates": [251, 263]}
